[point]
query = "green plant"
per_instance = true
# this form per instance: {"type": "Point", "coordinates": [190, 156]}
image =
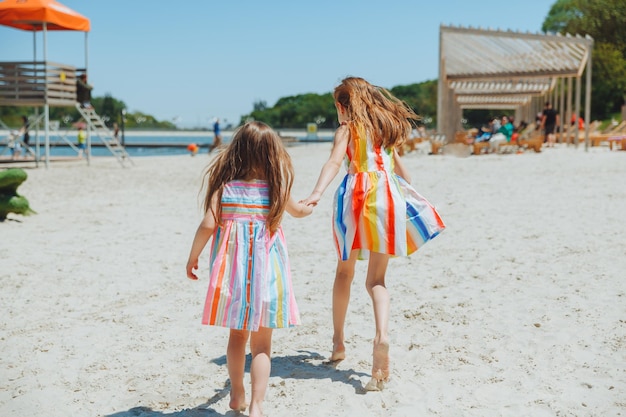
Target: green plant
{"type": "Point", "coordinates": [10, 200]}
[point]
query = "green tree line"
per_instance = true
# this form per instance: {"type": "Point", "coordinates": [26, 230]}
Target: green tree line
{"type": "Point", "coordinates": [605, 22]}
{"type": "Point", "coordinates": [109, 108]}
{"type": "Point", "coordinates": [296, 111]}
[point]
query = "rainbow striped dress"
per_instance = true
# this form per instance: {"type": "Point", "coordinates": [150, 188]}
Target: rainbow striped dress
{"type": "Point", "coordinates": [250, 277]}
{"type": "Point", "coordinates": [375, 209]}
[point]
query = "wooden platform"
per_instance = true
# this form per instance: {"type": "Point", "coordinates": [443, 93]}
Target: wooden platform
{"type": "Point", "coordinates": [29, 160]}
{"type": "Point", "coordinates": [37, 83]}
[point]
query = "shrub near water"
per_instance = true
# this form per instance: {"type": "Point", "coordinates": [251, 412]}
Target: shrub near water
{"type": "Point", "coordinates": [10, 200]}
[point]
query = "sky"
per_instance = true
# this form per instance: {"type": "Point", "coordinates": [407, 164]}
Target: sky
{"type": "Point", "coordinates": [192, 61]}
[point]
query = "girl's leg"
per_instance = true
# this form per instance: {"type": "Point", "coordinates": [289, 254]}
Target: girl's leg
{"type": "Point", "coordinates": [375, 284]}
{"type": "Point", "coordinates": [341, 299]}
{"type": "Point", "coordinates": [236, 360]}
{"type": "Point", "coordinates": [261, 348]}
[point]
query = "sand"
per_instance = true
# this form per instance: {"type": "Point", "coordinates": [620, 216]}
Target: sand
{"type": "Point", "coordinates": [517, 309]}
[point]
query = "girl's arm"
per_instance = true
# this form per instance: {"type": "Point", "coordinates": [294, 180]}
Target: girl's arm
{"type": "Point", "coordinates": [296, 209]}
{"type": "Point", "coordinates": [331, 167]}
{"type": "Point", "coordinates": [399, 167]}
{"type": "Point", "coordinates": [203, 234]}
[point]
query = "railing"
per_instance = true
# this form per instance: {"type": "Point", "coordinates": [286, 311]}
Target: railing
{"type": "Point", "coordinates": [37, 83]}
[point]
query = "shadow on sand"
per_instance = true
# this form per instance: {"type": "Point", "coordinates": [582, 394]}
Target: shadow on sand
{"type": "Point", "coordinates": [305, 365]}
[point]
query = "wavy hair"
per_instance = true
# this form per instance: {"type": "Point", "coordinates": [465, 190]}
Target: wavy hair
{"type": "Point", "coordinates": [255, 152]}
{"type": "Point", "coordinates": [385, 117]}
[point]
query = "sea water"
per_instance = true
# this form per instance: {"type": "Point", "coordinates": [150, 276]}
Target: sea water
{"type": "Point", "coordinates": [152, 143]}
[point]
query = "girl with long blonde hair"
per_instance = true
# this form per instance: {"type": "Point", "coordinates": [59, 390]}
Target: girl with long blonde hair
{"type": "Point", "coordinates": [377, 214]}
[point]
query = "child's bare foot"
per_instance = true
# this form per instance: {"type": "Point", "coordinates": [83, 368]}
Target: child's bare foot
{"type": "Point", "coordinates": [380, 367]}
{"type": "Point", "coordinates": [238, 402]}
{"type": "Point", "coordinates": [339, 352]}
{"type": "Point", "coordinates": [255, 410]}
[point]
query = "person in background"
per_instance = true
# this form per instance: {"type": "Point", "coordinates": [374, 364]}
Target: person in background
{"type": "Point", "coordinates": [549, 122]}
{"type": "Point", "coordinates": [484, 134]}
{"type": "Point", "coordinates": [24, 131]}
{"type": "Point", "coordinates": [517, 131]}
{"type": "Point", "coordinates": [83, 91]}
{"type": "Point", "coordinates": [14, 144]}
{"type": "Point", "coordinates": [26, 136]}
{"type": "Point", "coordinates": [495, 125]}
{"type": "Point", "coordinates": [217, 132]}
{"type": "Point", "coordinates": [503, 135]}
{"type": "Point", "coordinates": [538, 119]}
{"type": "Point", "coordinates": [82, 141]}
{"type": "Point", "coordinates": [521, 126]}
{"type": "Point", "coordinates": [116, 133]}
{"type": "Point", "coordinates": [581, 122]}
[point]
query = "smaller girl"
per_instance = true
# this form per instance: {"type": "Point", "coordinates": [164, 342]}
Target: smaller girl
{"type": "Point", "coordinates": [250, 290]}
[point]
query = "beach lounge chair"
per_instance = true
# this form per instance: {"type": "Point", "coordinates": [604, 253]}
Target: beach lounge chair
{"type": "Point", "coordinates": [598, 138]}
{"type": "Point", "coordinates": [534, 141]}
{"type": "Point", "coordinates": [480, 147]}
{"type": "Point", "coordinates": [462, 137]}
{"type": "Point", "coordinates": [531, 138]}
{"type": "Point", "coordinates": [618, 141]}
{"type": "Point", "coordinates": [410, 145]}
{"type": "Point", "coordinates": [437, 141]}
{"type": "Point", "coordinates": [570, 136]}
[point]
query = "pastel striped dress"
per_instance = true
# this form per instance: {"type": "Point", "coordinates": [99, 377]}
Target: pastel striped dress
{"type": "Point", "coordinates": [250, 279]}
{"type": "Point", "coordinates": [375, 209]}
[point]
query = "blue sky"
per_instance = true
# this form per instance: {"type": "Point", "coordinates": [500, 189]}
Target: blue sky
{"type": "Point", "coordinates": [204, 59]}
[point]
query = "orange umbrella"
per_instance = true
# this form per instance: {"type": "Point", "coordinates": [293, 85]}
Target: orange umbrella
{"type": "Point", "coordinates": [43, 15]}
{"type": "Point", "coordinates": [32, 14]}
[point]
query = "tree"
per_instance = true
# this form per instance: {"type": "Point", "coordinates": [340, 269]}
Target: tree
{"type": "Point", "coordinates": [603, 20]}
{"type": "Point", "coordinates": [561, 16]}
{"type": "Point", "coordinates": [107, 107]}
{"type": "Point", "coordinates": [421, 97]}
{"type": "Point", "coordinates": [299, 110]}
{"type": "Point", "coordinates": [608, 80]}
{"type": "Point", "coordinates": [296, 111]}
{"type": "Point", "coordinates": [259, 105]}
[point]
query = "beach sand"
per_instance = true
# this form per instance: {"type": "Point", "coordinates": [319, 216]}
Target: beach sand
{"type": "Point", "coordinates": [517, 309]}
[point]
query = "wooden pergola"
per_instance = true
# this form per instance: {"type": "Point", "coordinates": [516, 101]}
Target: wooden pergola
{"type": "Point", "coordinates": [495, 69]}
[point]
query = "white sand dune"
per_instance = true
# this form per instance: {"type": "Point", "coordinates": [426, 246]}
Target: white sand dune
{"type": "Point", "coordinates": [517, 309]}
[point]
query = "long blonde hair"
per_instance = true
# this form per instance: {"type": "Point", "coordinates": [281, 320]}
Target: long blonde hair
{"type": "Point", "coordinates": [255, 152]}
{"type": "Point", "coordinates": [386, 118]}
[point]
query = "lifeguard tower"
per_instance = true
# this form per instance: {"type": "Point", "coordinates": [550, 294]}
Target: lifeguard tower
{"type": "Point", "coordinates": [44, 83]}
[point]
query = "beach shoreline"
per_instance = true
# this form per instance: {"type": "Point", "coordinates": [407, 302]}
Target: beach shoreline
{"type": "Point", "coordinates": [200, 133]}
{"type": "Point", "coordinates": [516, 309]}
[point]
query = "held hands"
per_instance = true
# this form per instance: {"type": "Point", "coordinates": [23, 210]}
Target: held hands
{"type": "Point", "coordinates": [312, 200]}
{"type": "Point", "coordinates": [305, 209]}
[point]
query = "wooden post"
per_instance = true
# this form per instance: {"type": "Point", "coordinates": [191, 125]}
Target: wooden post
{"type": "Point", "coordinates": [569, 102]}
{"type": "Point", "coordinates": [588, 95]}
{"type": "Point", "coordinates": [564, 134]}
{"type": "Point", "coordinates": [46, 108]}
{"type": "Point", "coordinates": [441, 87]}
{"type": "Point", "coordinates": [577, 108]}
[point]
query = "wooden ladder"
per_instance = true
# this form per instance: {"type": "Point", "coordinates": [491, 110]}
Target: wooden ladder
{"type": "Point", "coordinates": [96, 125]}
